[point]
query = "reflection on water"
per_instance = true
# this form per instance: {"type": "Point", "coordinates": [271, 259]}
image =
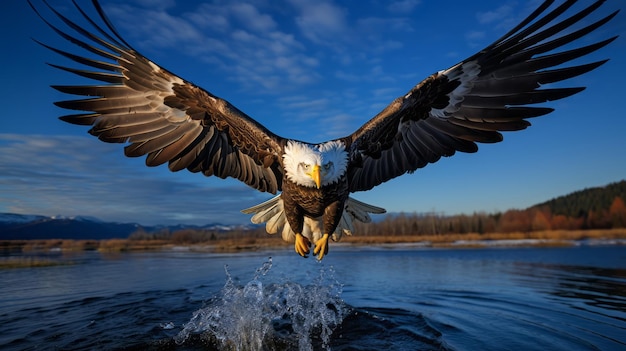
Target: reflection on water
{"type": "Point", "coordinates": [378, 299]}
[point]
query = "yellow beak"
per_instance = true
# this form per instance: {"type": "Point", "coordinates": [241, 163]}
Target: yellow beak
{"type": "Point", "coordinates": [316, 176]}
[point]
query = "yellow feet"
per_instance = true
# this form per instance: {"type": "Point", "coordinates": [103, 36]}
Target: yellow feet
{"type": "Point", "coordinates": [302, 245]}
{"type": "Point", "coordinates": [321, 247]}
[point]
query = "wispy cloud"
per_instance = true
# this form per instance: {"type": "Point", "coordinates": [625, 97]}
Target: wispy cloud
{"type": "Point", "coordinates": [250, 17]}
{"type": "Point", "coordinates": [475, 38]}
{"type": "Point", "coordinates": [496, 15]}
{"type": "Point", "coordinates": [159, 4]}
{"type": "Point", "coordinates": [68, 175]}
{"type": "Point", "coordinates": [506, 16]}
{"type": "Point", "coordinates": [238, 38]}
{"type": "Point", "coordinates": [403, 6]}
{"type": "Point", "coordinates": [276, 48]}
{"type": "Point", "coordinates": [322, 21]}
{"type": "Point", "coordinates": [497, 21]}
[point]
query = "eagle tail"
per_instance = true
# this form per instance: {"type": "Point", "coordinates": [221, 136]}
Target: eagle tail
{"type": "Point", "coordinates": [272, 213]}
{"type": "Point", "coordinates": [354, 210]}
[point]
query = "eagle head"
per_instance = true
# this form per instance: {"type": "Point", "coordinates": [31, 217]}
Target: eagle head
{"type": "Point", "coordinates": [315, 165]}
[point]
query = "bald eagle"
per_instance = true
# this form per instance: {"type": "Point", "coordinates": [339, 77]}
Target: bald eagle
{"type": "Point", "coordinates": [172, 120]}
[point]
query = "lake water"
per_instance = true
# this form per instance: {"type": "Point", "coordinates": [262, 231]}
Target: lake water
{"type": "Point", "coordinates": [370, 299]}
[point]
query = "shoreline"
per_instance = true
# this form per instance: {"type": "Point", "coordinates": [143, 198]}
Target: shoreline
{"type": "Point", "coordinates": [538, 238]}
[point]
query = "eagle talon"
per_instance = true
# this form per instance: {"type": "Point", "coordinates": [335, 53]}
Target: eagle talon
{"type": "Point", "coordinates": [302, 245]}
{"type": "Point", "coordinates": [321, 247]}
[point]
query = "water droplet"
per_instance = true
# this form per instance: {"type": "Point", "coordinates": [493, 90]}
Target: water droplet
{"type": "Point", "coordinates": [259, 316]}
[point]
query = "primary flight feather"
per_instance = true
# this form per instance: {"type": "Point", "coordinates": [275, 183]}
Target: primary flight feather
{"type": "Point", "coordinates": [171, 120]}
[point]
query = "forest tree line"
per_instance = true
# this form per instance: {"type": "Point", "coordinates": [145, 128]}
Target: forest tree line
{"type": "Point", "coordinates": [594, 208]}
{"type": "Point", "coordinates": [532, 219]}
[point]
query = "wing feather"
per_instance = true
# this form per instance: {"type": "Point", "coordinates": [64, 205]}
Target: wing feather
{"type": "Point", "coordinates": [495, 90]}
{"type": "Point", "coordinates": [195, 151]}
{"type": "Point", "coordinates": [160, 115]}
{"type": "Point", "coordinates": [169, 152]}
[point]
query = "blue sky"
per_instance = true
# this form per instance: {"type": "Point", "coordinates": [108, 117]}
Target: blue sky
{"type": "Point", "coordinates": [310, 70]}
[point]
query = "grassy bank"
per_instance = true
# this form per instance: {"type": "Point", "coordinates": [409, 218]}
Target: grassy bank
{"type": "Point", "coordinates": [543, 238]}
{"type": "Point", "coordinates": [29, 262]}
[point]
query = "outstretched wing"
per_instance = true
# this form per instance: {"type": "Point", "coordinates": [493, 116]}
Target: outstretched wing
{"type": "Point", "coordinates": [161, 115]}
{"type": "Point", "coordinates": [475, 99]}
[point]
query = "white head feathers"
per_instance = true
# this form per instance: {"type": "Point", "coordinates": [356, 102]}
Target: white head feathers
{"type": "Point", "coordinates": [331, 158]}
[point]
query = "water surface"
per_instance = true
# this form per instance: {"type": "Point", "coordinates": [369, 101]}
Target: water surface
{"type": "Point", "coordinates": [394, 299]}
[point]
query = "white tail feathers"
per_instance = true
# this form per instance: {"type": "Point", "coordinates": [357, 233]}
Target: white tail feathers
{"type": "Point", "coordinates": [272, 213]}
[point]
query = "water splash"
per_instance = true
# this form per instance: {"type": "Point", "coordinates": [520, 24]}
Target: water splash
{"type": "Point", "coordinates": [260, 316]}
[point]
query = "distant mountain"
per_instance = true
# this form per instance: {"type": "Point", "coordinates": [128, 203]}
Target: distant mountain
{"type": "Point", "coordinates": [18, 218]}
{"type": "Point", "coordinates": [15, 227]}
{"type": "Point", "coordinates": [26, 227]}
{"type": "Point", "coordinates": [579, 203]}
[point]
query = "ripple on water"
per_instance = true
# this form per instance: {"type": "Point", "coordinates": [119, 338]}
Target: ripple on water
{"type": "Point", "coordinates": [456, 300]}
{"type": "Point", "coordinates": [386, 329]}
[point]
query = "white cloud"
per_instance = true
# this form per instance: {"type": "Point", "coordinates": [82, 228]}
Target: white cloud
{"type": "Point", "coordinates": [403, 6]}
{"type": "Point", "coordinates": [378, 28]}
{"type": "Point", "coordinates": [507, 15]}
{"type": "Point", "coordinates": [157, 28]}
{"type": "Point", "coordinates": [237, 38]}
{"type": "Point", "coordinates": [210, 17]}
{"type": "Point", "coordinates": [500, 20]}
{"type": "Point", "coordinates": [321, 21]}
{"type": "Point", "coordinates": [389, 93]}
{"type": "Point", "coordinates": [304, 102]}
{"type": "Point", "coordinates": [475, 35]}
{"type": "Point", "coordinates": [249, 16]}
{"type": "Point", "coordinates": [495, 15]}
{"type": "Point", "coordinates": [156, 4]}
{"type": "Point", "coordinates": [338, 125]}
